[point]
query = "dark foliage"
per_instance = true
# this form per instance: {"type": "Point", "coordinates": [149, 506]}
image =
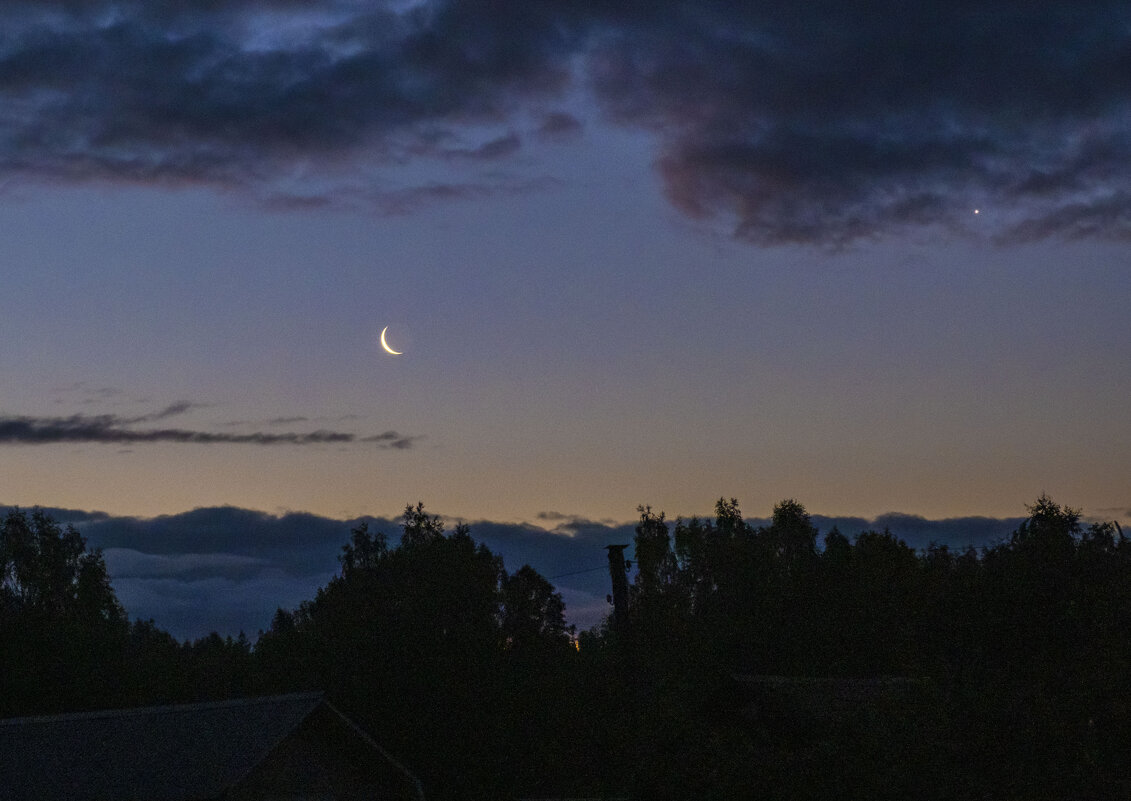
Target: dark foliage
{"type": "Point", "coordinates": [1019, 656]}
{"type": "Point", "coordinates": [756, 662]}
{"type": "Point", "coordinates": [61, 627]}
{"type": "Point", "coordinates": [455, 665]}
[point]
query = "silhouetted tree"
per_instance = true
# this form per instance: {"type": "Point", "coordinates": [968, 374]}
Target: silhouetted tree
{"type": "Point", "coordinates": [47, 574]}
{"type": "Point", "coordinates": [157, 667]}
{"type": "Point", "coordinates": [655, 563]}
{"type": "Point", "coordinates": [792, 537]}
{"type": "Point", "coordinates": [533, 613]}
{"type": "Point", "coordinates": [717, 561]}
{"type": "Point", "coordinates": [61, 626]}
{"type": "Point", "coordinates": [412, 639]}
{"type": "Point", "coordinates": [217, 667]}
{"type": "Point", "coordinates": [419, 528]}
{"type": "Point", "coordinates": [362, 552]}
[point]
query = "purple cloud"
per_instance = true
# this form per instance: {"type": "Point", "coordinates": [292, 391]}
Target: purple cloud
{"type": "Point", "coordinates": [820, 123]}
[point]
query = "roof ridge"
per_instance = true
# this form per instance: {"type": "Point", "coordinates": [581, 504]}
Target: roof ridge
{"type": "Point", "coordinates": [164, 709]}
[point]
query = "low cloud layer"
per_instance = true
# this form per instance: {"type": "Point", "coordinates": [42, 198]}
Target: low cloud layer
{"type": "Point", "coordinates": [112, 429]}
{"type": "Point", "coordinates": [819, 123]}
{"type": "Point", "coordinates": [228, 569]}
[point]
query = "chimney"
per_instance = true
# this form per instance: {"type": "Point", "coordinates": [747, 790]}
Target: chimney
{"type": "Point", "coordinates": [620, 585]}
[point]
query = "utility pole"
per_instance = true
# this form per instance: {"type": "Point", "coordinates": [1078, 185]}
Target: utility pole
{"type": "Point", "coordinates": [620, 585]}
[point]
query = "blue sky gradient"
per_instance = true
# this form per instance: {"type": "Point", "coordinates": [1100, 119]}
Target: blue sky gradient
{"type": "Point", "coordinates": [867, 255]}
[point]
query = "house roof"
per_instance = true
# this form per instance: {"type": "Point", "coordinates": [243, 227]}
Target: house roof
{"type": "Point", "coordinates": [165, 753]}
{"type": "Point", "coordinates": [826, 698]}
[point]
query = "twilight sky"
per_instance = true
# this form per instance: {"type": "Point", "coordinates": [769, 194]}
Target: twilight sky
{"type": "Point", "coordinates": [875, 256]}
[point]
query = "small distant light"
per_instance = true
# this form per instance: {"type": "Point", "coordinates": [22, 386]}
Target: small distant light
{"type": "Point", "coordinates": [977, 211]}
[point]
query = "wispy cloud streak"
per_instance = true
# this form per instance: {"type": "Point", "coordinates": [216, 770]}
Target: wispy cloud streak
{"type": "Point", "coordinates": [19, 430]}
{"type": "Point", "coordinates": [172, 410]}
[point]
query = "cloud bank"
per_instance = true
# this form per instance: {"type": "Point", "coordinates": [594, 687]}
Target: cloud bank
{"type": "Point", "coordinates": [228, 569]}
{"type": "Point", "coordinates": [820, 123]}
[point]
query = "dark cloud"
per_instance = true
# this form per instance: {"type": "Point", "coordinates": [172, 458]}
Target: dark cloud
{"type": "Point", "coordinates": [190, 608]}
{"type": "Point", "coordinates": [497, 148]}
{"type": "Point", "coordinates": [411, 199]}
{"type": "Point", "coordinates": [295, 541]}
{"type": "Point", "coordinates": [391, 439]}
{"type": "Point", "coordinates": [236, 93]}
{"type": "Point", "coordinates": [66, 516]}
{"type": "Point", "coordinates": [1114, 511]}
{"type": "Point", "coordinates": [919, 532]}
{"type": "Point", "coordinates": [817, 122]}
{"type": "Point", "coordinates": [559, 125]}
{"type": "Point", "coordinates": [572, 524]}
{"type": "Point", "coordinates": [125, 563]}
{"type": "Point", "coordinates": [107, 428]}
{"type": "Point", "coordinates": [291, 420]}
{"type": "Point", "coordinates": [827, 122]}
{"type": "Point", "coordinates": [172, 410]}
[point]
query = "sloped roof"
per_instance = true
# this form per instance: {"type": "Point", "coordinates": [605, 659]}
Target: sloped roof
{"type": "Point", "coordinates": [827, 698]}
{"type": "Point", "coordinates": [166, 753]}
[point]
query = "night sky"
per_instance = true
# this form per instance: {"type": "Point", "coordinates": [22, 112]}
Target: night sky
{"type": "Point", "coordinates": [870, 255]}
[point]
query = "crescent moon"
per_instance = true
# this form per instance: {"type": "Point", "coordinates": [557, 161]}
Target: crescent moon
{"type": "Point", "coordinates": [385, 344]}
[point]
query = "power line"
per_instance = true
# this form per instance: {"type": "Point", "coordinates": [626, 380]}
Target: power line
{"type": "Point", "coordinates": [577, 572]}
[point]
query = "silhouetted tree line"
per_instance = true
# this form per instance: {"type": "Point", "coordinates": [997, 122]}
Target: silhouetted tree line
{"type": "Point", "coordinates": [66, 642]}
{"type": "Point", "coordinates": [1017, 656]}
